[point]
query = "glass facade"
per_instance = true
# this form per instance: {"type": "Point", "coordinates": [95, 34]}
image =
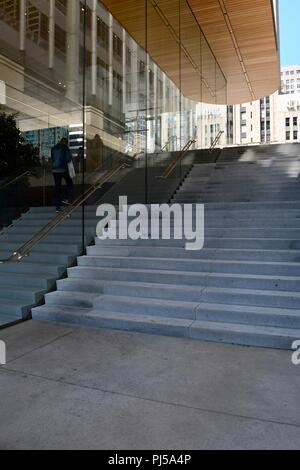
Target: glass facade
{"type": "Point", "coordinates": [69, 69]}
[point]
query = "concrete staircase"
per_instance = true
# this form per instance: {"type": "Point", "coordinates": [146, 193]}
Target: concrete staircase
{"type": "Point", "coordinates": [23, 284]}
{"type": "Point", "coordinates": [242, 288]}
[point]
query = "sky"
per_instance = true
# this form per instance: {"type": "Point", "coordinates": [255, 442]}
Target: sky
{"type": "Point", "coordinates": [289, 23]}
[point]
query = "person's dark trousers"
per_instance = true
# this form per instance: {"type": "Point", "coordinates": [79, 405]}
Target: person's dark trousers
{"type": "Point", "coordinates": [58, 177]}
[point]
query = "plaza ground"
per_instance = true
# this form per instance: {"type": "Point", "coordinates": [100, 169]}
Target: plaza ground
{"type": "Point", "coordinates": [76, 388]}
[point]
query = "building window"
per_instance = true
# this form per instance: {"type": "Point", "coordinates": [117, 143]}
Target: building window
{"type": "Point", "coordinates": [10, 13]}
{"type": "Point", "coordinates": [295, 121]}
{"type": "Point", "coordinates": [60, 40]}
{"type": "Point", "coordinates": [295, 135]}
{"type": "Point", "coordinates": [128, 93]}
{"type": "Point", "coordinates": [288, 135]}
{"type": "Point", "coordinates": [102, 33]}
{"type": "Point", "coordinates": [117, 47]}
{"type": "Point", "coordinates": [62, 5]}
{"type": "Point", "coordinates": [128, 57]}
{"type": "Point", "coordinates": [37, 26]}
{"type": "Point", "coordinates": [160, 89]}
{"type": "Point", "coordinates": [287, 122]}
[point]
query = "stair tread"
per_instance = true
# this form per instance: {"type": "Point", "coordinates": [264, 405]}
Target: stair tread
{"type": "Point", "coordinates": [177, 303]}
{"type": "Point", "coordinates": [195, 261]}
{"type": "Point", "coordinates": [124, 298]}
{"type": "Point", "coordinates": [99, 313]}
{"type": "Point", "coordinates": [199, 274]}
{"type": "Point", "coordinates": [249, 309]}
{"type": "Point", "coordinates": [184, 288]}
{"type": "Point", "coordinates": [251, 329]}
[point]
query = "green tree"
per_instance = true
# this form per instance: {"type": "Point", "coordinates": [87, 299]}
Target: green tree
{"type": "Point", "coordinates": [15, 153]}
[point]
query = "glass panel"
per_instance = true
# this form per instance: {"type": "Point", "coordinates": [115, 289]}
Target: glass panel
{"type": "Point", "coordinates": [164, 98]}
{"type": "Point", "coordinates": [42, 81]}
{"type": "Point", "coordinates": [69, 70]}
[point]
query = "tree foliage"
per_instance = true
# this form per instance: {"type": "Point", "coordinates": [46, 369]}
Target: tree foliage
{"type": "Point", "coordinates": [15, 153]}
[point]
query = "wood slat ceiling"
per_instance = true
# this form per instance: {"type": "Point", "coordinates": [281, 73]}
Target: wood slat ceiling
{"type": "Point", "coordinates": [253, 40]}
{"type": "Point", "coordinates": [253, 28]}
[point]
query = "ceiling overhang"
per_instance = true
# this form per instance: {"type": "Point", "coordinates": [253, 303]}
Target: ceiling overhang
{"type": "Point", "coordinates": [241, 35]}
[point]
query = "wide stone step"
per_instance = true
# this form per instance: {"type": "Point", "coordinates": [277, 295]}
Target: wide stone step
{"type": "Point", "coordinates": [205, 253]}
{"type": "Point", "coordinates": [38, 281]}
{"type": "Point", "coordinates": [115, 320]}
{"type": "Point", "coordinates": [89, 279]}
{"type": "Point", "coordinates": [211, 242]}
{"type": "Point", "coordinates": [212, 221]}
{"type": "Point", "coordinates": [241, 314]}
{"type": "Point", "coordinates": [60, 230]}
{"type": "Point", "coordinates": [28, 294]}
{"type": "Point", "coordinates": [7, 320]}
{"type": "Point", "coordinates": [138, 305]}
{"type": "Point", "coordinates": [210, 331]}
{"type": "Point", "coordinates": [198, 265]}
{"type": "Point", "coordinates": [44, 247]}
{"type": "Point", "coordinates": [42, 257]}
{"type": "Point", "coordinates": [249, 335]}
{"type": "Point", "coordinates": [17, 308]}
{"type": "Point", "coordinates": [286, 318]}
{"type": "Point", "coordinates": [42, 269]}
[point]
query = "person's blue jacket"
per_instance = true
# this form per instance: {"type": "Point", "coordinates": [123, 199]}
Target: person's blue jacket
{"type": "Point", "coordinates": [60, 156]}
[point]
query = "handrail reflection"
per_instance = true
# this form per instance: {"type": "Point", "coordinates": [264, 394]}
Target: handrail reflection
{"type": "Point", "coordinates": [169, 170]}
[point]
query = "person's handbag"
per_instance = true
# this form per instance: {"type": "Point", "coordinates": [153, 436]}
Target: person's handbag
{"type": "Point", "coordinates": [71, 170]}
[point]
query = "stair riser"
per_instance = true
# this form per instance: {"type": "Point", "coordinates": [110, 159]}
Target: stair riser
{"type": "Point", "coordinates": [215, 222]}
{"type": "Point", "coordinates": [251, 298]}
{"type": "Point", "coordinates": [152, 328]}
{"type": "Point", "coordinates": [27, 297]}
{"type": "Point", "coordinates": [242, 339]}
{"type": "Point", "coordinates": [230, 255]}
{"type": "Point", "coordinates": [10, 279]}
{"type": "Point", "coordinates": [43, 248]}
{"type": "Point", "coordinates": [288, 321]}
{"type": "Point", "coordinates": [199, 266]}
{"type": "Point", "coordinates": [24, 268]}
{"type": "Point", "coordinates": [228, 243]}
{"type": "Point", "coordinates": [17, 312]}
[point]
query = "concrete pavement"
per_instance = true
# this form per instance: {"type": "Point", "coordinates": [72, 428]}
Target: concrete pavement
{"type": "Point", "coordinates": [75, 388]}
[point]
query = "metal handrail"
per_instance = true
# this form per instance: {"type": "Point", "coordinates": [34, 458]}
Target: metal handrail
{"type": "Point", "coordinates": [169, 170]}
{"type": "Point", "coordinates": [14, 180]}
{"type": "Point", "coordinates": [170, 139]}
{"type": "Point", "coordinates": [26, 248]}
{"type": "Point", "coordinates": [218, 137]}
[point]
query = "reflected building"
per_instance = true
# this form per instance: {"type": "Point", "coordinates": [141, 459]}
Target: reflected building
{"type": "Point", "coordinates": [141, 80]}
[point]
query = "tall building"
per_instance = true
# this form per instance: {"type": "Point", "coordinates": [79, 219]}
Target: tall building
{"type": "Point", "coordinates": [273, 119]}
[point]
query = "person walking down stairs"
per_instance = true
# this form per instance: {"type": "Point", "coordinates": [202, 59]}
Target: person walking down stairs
{"type": "Point", "coordinates": [61, 157]}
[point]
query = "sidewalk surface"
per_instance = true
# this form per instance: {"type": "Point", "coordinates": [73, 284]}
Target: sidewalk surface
{"type": "Point", "coordinates": [75, 388]}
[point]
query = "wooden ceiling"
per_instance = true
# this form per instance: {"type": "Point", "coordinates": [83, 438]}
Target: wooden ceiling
{"type": "Point", "coordinates": [240, 34]}
{"type": "Point", "coordinates": [253, 35]}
